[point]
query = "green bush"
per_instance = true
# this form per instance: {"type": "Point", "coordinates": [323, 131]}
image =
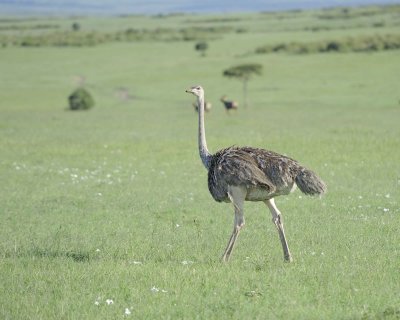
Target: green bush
{"type": "Point", "coordinates": [333, 46]}
{"type": "Point", "coordinates": [76, 26]}
{"type": "Point", "coordinates": [202, 47]}
{"type": "Point", "coordinates": [80, 99]}
{"type": "Point", "coordinates": [355, 44]}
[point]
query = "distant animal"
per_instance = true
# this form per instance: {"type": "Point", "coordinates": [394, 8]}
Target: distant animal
{"type": "Point", "coordinates": [229, 105]}
{"type": "Point", "coordinates": [238, 174]}
{"type": "Point", "coordinates": [207, 106]}
{"type": "Point", "coordinates": [80, 80]}
{"type": "Point", "coordinates": [123, 94]}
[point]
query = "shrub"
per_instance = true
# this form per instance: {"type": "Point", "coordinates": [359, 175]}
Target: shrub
{"type": "Point", "coordinates": [201, 47]}
{"type": "Point", "coordinates": [333, 46]}
{"type": "Point", "coordinates": [80, 99]}
{"type": "Point", "coordinates": [76, 26]}
{"type": "Point", "coordinates": [355, 44]}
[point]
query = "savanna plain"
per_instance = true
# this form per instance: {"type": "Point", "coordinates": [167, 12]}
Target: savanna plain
{"type": "Point", "coordinates": [105, 213]}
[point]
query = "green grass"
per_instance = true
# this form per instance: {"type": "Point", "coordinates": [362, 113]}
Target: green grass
{"type": "Point", "coordinates": [86, 196]}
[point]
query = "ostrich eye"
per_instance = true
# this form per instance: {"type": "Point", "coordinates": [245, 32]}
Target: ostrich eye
{"type": "Point", "coordinates": [198, 88]}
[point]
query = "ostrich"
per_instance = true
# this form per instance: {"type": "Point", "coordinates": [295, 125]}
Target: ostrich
{"type": "Point", "coordinates": [229, 105]}
{"type": "Point", "coordinates": [237, 174]}
{"type": "Point", "coordinates": [207, 106]}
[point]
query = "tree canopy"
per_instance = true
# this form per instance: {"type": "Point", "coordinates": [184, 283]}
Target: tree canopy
{"type": "Point", "coordinates": [244, 71]}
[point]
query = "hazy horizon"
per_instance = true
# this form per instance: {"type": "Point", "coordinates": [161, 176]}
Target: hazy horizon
{"type": "Point", "coordinates": [108, 7]}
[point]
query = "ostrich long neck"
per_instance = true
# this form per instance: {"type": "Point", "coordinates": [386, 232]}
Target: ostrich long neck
{"type": "Point", "coordinates": [203, 150]}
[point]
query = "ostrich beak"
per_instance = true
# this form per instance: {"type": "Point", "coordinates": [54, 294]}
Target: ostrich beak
{"type": "Point", "coordinates": [188, 91]}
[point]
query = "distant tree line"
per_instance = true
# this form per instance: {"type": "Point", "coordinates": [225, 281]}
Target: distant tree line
{"type": "Point", "coordinates": [77, 37]}
{"type": "Point", "coordinates": [15, 27]}
{"type": "Point", "coordinates": [351, 13]}
{"type": "Point", "coordinates": [351, 44]}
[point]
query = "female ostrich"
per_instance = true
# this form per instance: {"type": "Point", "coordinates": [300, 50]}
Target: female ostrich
{"type": "Point", "coordinates": [236, 174]}
{"type": "Point", "coordinates": [229, 105]}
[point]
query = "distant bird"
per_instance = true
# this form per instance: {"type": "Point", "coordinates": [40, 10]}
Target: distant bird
{"type": "Point", "coordinates": [207, 106]}
{"type": "Point", "coordinates": [236, 174]}
{"type": "Point", "coordinates": [229, 105]}
{"type": "Point", "coordinates": [80, 80]}
{"type": "Point", "coordinates": [123, 94]}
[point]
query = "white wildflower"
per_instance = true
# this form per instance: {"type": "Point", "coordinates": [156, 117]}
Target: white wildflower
{"type": "Point", "coordinates": [127, 311]}
{"type": "Point", "coordinates": [97, 302]}
{"type": "Point", "coordinates": [109, 301]}
{"type": "Point", "coordinates": [385, 210]}
{"type": "Point", "coordinates": [154, 289]}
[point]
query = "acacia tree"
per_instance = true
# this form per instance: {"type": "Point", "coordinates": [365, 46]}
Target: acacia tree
{"type": "Point", "coordinates": [244, 73]}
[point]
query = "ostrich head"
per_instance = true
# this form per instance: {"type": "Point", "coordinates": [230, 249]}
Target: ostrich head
{"type": "Point", "coordinates": [196, 90]}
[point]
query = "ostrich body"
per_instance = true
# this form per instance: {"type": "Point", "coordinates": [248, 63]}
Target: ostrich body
{"type": "Point", "coordinates": [229, 105]}
{"type": "Point", "coordinates": [238, 174]}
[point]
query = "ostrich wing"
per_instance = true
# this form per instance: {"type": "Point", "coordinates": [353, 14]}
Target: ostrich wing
{"type": "Point", "coordinates": [279, 169]}
{"type": "Point", "coordinates": [236, 167]}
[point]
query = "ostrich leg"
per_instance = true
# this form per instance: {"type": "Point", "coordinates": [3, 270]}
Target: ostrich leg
{"type": "Point", "coordinates": [276, 219]}
{"type": "Point", "coordinates": [237, 196]}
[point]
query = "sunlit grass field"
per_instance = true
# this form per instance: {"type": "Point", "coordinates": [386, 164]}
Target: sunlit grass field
{"type": "Point", "coordinates": [106, 214]}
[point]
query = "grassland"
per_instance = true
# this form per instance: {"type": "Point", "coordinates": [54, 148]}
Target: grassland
{"type": "Point", "coordinates": [112, 203]}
